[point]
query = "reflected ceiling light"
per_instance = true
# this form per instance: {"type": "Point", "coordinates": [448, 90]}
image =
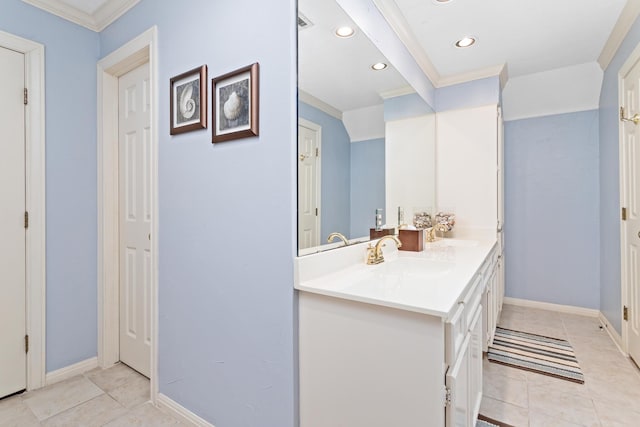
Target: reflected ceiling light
{"type": "Point", "coordinates": [466, 41]}
{"type": "Point", "coordinates": [379, 66]}
{"type": "Point", "coordinates": [345, 32]}
{"type": "Point", "coordinates": [441, 1]}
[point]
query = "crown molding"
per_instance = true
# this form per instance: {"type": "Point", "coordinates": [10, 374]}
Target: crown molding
{"type": "Point", "coordinates": [497, 70]}
{"type": "Point", "coordinates": [628, 16]}
{"type": "Point", "coordinates": [392, 13]}
{"type": "Point", "coordinates": [406, 90]}
{"type": "Point", "coordinates": [309, 99]}
{"type": "Point", "coordinates": [98, 21]}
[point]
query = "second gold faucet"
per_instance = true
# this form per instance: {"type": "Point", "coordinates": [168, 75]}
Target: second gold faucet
{"type": "Point", "coordinates": [374, 253]}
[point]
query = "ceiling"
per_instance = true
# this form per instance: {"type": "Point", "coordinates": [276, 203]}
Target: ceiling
{"type": "Point", "coordinates": [513, 37]}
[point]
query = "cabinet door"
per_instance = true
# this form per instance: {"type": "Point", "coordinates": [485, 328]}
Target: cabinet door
{"type": "Point", "coordinates": [475, 365]}
{"type": "Point", "coordinates": [457, 382]}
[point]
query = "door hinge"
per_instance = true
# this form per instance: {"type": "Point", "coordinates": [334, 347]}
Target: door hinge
{"type": "Point", "coordinates": [625, 313]}
{"type": "Point", "coordinates": [26, 96]}
{"type": "Point", "coordinates": [26, 220]}
{"type": "Point", "coordinates": [621, 113]}
{"type": "Point", "coordinates": [447, 396]}
{"type": "Point", "coordinates": [624, 214]}
{"type": "Point", "coordinates": [316, 211]}
{"type": "Point", "coordinates": [26, 343]}
{"type": "Point", "coordinates": [317, 152]}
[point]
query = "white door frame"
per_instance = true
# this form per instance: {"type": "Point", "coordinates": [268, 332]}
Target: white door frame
{"type": "Point", "coordinates": [628, 65]}
{"type": "Point", "coordinates": [138, 51]}
{"type": "Point", "coordinates": [35, 205]}
{"type": "Point", "coordinates": [318, 129]}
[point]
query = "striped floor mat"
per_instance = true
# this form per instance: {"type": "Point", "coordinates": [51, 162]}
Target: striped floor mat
{"type": "Point", "coordinates": [483, 421]}
{"type": "Point", "coordinates": [536, 353]}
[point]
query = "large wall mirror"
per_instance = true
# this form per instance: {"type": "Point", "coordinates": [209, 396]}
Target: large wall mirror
{"type": "Point", "coordinates": [359, 145]}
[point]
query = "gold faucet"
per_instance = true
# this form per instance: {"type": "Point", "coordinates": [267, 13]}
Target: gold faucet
{"type": "Point", "coordinates": [339, 236]}
{"type": "Point", "coordinates": [431, 232]}
{"type": "Point", "coordinates": [374, 254]}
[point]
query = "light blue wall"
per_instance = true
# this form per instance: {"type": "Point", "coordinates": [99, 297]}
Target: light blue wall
{"type": "Point", "coordinates": [227, 217]}
{"type": "Point", "coordinates": [336, 178]}
{"type": "Point", "coordinates": [469, 94]}
{"type": "Point", "coordinates": [551, 209]}
{"type": "Point", "coordinates": [610, 290]}
{"type": "Point", "coordinates": [71, 53]}
{"type": "Point", "coordinates": [367, 185]}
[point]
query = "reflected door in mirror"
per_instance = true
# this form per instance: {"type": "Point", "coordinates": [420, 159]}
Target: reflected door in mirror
{"type": "Point", "coordinates": [308, 185]}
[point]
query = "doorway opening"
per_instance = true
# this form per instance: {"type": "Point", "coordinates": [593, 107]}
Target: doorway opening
{"type": "Point", "coordinates": [112, 258]}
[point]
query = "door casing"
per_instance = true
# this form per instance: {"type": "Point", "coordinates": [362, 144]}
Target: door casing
{"type": "Point", "coordinates": [35, 205]}
{"type": "Point", "coordinates": [136, 52]}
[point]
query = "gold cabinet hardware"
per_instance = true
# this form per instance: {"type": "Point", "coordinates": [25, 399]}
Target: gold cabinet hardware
{"type": "Point", "coordinates": [624, 214]}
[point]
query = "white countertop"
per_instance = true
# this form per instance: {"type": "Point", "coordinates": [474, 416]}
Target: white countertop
{"type": "Point", "coordinates": [430, 282]}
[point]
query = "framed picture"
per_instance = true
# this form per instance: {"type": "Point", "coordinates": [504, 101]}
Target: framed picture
{"type": "Point", "coordinates": [236, 104]}
{"type": "Point", "coordinates": [189, 101]}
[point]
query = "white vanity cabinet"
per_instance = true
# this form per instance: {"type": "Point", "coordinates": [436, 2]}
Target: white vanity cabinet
{"type": "Point", "coordinates": [389, 353]}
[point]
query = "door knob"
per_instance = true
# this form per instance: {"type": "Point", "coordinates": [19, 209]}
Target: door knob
{"type": "Point", "coordinates": [303, 157]}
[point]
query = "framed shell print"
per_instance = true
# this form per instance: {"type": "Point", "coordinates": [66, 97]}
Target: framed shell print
{"type": "Point", "coordinates": [189, 101]}
{"type": "Point", "coordinates": [236, 104]}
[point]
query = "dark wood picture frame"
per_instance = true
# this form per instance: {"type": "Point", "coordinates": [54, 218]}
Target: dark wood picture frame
{"type": "Point", "coordinates": [188, 102]}
{"type": "Point", "coordinates": [236, 104]}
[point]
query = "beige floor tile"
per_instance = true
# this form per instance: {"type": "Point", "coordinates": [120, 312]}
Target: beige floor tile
{"type": "Point", "coordinates": [504, 412]}
{"type": "Point", "coordinates": [113, 377]}
{"type": "Point", "coordinates": [538, 419]}
{"type": "Point", "coordinates": [506, 389]}
{"type": "Point", "coordinates": [490, 369]}
{"type": "Point", "coordinates": [59, 397]}
{"type": "Point", "coordinates": [145, 415]}
{"type": "Point", "coordinates": [94, 413]}
{"type": "Point", "coordinates": [12, 408]}
{"type": "Point", "coordinates": [133, 392]}
{"type": "Point", "coordinates": [27, 420]}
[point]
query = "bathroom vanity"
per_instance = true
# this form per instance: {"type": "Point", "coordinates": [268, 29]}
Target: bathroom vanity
{"type": "Point", "coordinates": [399, 343]}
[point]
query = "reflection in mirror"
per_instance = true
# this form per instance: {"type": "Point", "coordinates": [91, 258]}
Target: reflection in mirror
{"type": "Point", "coordinates": [343, 153]}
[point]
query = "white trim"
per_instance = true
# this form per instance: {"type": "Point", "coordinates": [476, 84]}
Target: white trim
{"type": "Point", "coordinates": [406, 90]}
{"type": "Point", "coordinates": [180, 412]}
{"type": "Point", "coordinates": [71, 371]}
{"type": "Point", "coordinates": [96, 21]}
{"type": "Point", "coordinates": [627, 17]}
{"type": "Point", "coordinates": [138, 51]}
{"type": "Point", "coordinates": [309, 99]}
{"type": "Point", "coordinates": [394, 16]}
{"type": "Point", "coordinates": [35, 204]}
{"type": "Point", "coordinates": [615, 336]}
{"type": "Point", "coordinates": [569, 309]}
{"type": "Point", "coordinates": [499, 71]}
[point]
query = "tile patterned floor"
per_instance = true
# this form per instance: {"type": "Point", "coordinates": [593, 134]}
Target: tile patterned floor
{"type": "Point", "coordinates": [114, 397]}
{"type": "Point", "coordinates": [610, 396]}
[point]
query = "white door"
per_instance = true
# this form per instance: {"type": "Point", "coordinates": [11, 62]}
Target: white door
{"type": "Point", "coordinates": [134, 160]}
{"type": "Point", "coordinates": [13, 358]}
{"type": "Point", "coordinates": [308, 185]}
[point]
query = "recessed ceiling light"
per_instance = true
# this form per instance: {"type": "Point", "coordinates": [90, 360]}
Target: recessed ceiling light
{"type": "Point", "coordinates": [466, 41]}
{"type": "Point", "coordinates": [379, 66]}
{"type": "Point", "coordinates": [441, 1]}
{"type": "Point", "coordinates": [345, 32]}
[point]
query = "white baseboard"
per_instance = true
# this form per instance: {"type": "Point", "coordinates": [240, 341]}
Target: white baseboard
{"type": "Point", "coordinates": [569, 309]}
{"type": "Point", "coordinates": [70, 371]}
{"type": "Point", "coordinates": [615, 336]}
{"type": "Point", "coordinates": [180, 412]}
